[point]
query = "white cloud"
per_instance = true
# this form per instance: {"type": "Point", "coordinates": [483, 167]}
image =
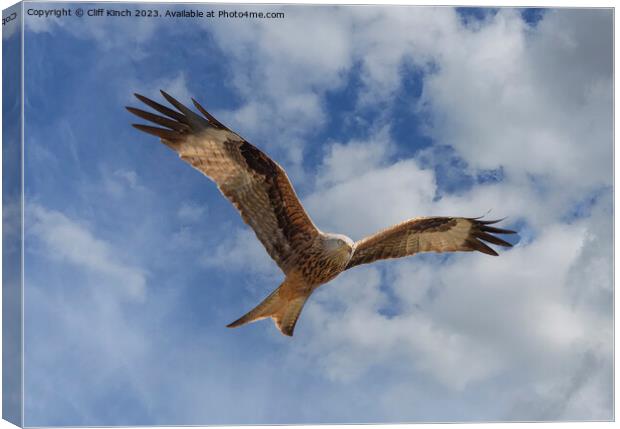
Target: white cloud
{"type": "Point", "coordinates": [358, 191]}
{"type": "Point", "coordinates": [357, 337]}
{"type": "Point", "coordinates": [388, 38]}
{"type": "Point", "coordinates": [120, 183]}
{"type": "Point", "coordinates": [89, 318]}
{"type": "Point", "coordinates": [501, 93]}
{"type": "Point", "coordinates": [344, 161]}
{"type": "Point", "coordinates": [281, 73]}
{"type": "Point", "coordinates": [241, 252]}
{"type": "Point", "coordinates": [524, 99]}
{"type": "Point", "coordinates": [191, 212]}
{"type": "Point", "coordinates": [64, 240]}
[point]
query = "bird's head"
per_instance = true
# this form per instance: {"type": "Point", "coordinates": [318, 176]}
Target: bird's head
{"type": "Point", "coordinates": [338, 243]}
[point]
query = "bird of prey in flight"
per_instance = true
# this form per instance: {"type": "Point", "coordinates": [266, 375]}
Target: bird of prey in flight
{"type": "Point", "coordinates": [262, 193]}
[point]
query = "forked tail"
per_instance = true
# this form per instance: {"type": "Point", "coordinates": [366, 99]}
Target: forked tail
{"type": "Point", "coordinates": [281, 305]}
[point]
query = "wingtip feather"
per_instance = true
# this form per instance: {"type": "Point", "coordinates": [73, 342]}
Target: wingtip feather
{"type": "Point", "coordinates": [494, 230]}
{"type": "Point", "coordinates": [482, 232]}
{"type": "Point", "coordinates": [162, 133]}
{"type": "Point", "coordinates": [234, 324]}
{"type": "Point", "coordinates": [492, 239]}
{"type": "Point", "coordinates": [161, 108]}
{"type": "Point", "coordinates": [170, 98]}
{"type": "Point", "coordinates": [475, 244]}
{"type": "Point", "coordinates": [212, 120]}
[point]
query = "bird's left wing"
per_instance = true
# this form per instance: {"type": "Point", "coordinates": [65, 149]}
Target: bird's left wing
{"type": "Point", "coordinates": [255, 184]}
{"type": "Point", "coordinates": [430, 234]}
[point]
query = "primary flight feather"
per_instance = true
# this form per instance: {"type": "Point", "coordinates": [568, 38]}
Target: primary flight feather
{"type": "Point", "coordinates": [264, 196]}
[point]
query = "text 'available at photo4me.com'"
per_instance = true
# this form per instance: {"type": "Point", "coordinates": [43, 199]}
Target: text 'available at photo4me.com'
{"type": "Point", "coordinates": [80, 12]}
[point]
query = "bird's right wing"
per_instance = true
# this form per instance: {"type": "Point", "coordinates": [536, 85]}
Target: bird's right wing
{"type": "Point", "coordinates": [256, 185]}
{"type": "Point", "coordinates": [430, 234]}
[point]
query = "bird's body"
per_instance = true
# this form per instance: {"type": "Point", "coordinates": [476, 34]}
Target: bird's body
{"type": "Point", "coordinates": [262, 193]}
{"type": "Point", "coordinates": [327, 257]}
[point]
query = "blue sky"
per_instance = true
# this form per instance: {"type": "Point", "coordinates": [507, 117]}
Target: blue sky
{"type": "Point", "coordinates": [135, 262]}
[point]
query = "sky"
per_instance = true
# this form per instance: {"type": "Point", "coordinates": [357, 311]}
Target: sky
{"type": "Point", "coordinates": [135, 262]}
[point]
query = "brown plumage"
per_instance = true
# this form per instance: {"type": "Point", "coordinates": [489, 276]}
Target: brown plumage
{"type": "Point", "coordinates": [262, 193]}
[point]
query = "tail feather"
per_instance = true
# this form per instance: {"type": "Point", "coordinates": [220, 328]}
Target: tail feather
{"type": "Point", "coordinates": [283, 310]}
{"type": "Point", "coordinates": [261, 311]}
{"type": "Point", "coordinates": [287, 319]}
